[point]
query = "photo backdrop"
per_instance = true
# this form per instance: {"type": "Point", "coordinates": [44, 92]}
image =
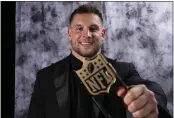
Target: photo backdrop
{"type": "Point", "coordinates": [137, 32]}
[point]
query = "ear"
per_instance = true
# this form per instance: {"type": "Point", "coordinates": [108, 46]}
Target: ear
{"type": "Point", "coordinates": [103, 33]}
{"type": "Point", "coordinates": [69, 33]}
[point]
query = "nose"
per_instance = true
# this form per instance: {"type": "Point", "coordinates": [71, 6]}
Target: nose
{"type": "Point", "coordinates": [87, 34]}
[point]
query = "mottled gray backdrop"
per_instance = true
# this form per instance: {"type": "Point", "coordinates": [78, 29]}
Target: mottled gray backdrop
{"type": "Point", "coordinates": [138, 32]}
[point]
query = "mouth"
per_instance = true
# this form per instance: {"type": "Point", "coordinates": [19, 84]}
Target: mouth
{"type": "Point", "coordinates": [86, 43]}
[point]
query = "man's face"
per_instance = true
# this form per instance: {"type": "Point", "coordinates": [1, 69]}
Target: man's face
{"type": "Point", "coordinates": [86, 34]}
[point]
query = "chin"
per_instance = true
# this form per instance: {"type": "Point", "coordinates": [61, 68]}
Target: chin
{"type": "Point", "coordinates": [90, 54]}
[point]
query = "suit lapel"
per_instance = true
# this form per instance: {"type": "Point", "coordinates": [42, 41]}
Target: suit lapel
{"type": "Point", "coordinates": [61, 83]}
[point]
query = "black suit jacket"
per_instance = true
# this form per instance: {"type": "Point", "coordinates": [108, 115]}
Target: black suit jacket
{"type": "Point", "coordinates": [50, 98]}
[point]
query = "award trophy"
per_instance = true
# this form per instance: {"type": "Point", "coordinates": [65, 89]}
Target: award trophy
{"type": "Point", "coordinates": [98, 76]}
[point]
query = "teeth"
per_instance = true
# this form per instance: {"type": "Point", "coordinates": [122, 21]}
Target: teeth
{"type": "Point", "coordinates": [85, 43]}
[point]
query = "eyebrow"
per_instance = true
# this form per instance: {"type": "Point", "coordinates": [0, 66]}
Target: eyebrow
{"type": "Point", "coordinates": [78, 25]}
{"type": "Point", "coordinates": [93, 25]}
{"type": "Point", "coordinates": [81, 25]}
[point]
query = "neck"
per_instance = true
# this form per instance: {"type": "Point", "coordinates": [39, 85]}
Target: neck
{"type": "Point", "coordinates": [84, 59]}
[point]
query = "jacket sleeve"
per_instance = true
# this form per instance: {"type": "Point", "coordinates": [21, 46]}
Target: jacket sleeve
{"type": "Point", "coordinates": [36, 107]}
{"type": "Point", "coordinates": [133, 78]}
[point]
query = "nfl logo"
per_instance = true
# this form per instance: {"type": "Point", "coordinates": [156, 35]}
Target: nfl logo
{"type": "Point", "coordinates": [97, 75]}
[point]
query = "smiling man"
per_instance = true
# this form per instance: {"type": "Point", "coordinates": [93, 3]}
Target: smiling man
{"type": "Point", "coordinates": [59, 93]}
{"type": "Point", "coordinates": [86, 33]}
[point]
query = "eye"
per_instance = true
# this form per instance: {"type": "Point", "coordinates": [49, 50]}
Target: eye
{"type": "Point", "coordinates": [94, 28]}
{"type": "Point", "coordinates": [78, 29]}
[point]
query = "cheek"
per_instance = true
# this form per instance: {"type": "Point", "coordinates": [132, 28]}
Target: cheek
{"type": "Point", "coordinates": [75, 37]}
{"type": "Point", "coordinates": [97, 37]}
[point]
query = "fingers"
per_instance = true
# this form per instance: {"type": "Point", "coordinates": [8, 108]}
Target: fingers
{"type": "Point", "coordinates": [146, 110]}
{"type": "Point", "coordinates": [142, 112]}
{"type": "Point", "coordinates": [153, 114]}
{"type": "Point", "coordinates": [134, 93]}
{"type": "Point", "coordinates": [138, 103]}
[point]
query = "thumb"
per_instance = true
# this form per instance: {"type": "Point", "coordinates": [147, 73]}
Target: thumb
{"type": "Point", "coordinates": [121, 91]}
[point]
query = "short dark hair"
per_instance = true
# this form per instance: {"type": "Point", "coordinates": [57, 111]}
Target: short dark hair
{"type": "Point", "coordinates": [86, 8]}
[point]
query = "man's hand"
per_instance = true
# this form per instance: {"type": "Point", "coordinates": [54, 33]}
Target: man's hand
{"type": "Point", "coordinates": [140, 101]}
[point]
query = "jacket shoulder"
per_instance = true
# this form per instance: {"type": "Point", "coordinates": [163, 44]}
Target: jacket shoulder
{"type": "Point", "coordinates": [61, 63]}
{"type": "Point", "coordinates": [115, 62]}
{"type": "Point", "coordinates": [124, 69]}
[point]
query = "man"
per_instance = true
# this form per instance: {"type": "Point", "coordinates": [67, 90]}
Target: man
{"type": "Point", "coordinates": [59, 93]}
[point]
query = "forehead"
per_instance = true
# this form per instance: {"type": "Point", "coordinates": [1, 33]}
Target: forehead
{"type": "Point", "coordinates": [86, 19]}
